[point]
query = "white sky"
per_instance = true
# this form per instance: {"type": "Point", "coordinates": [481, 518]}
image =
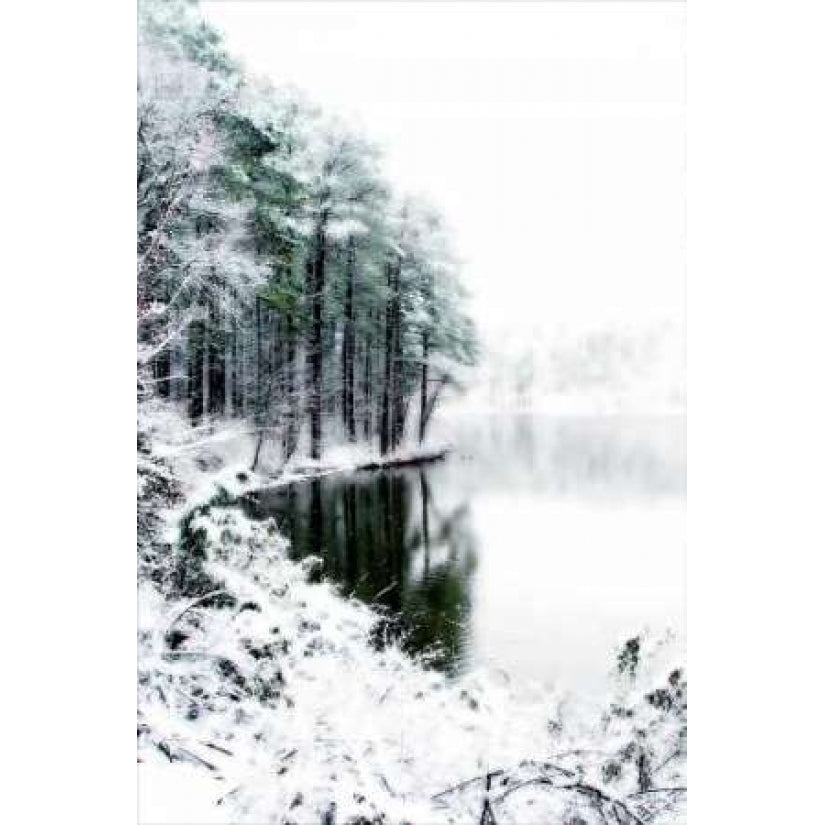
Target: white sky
{"type": "Point", "coordinates": [550, 134]}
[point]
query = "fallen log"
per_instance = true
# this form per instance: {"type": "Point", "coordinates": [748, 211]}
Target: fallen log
{"type": "Point", "coordinates": [404, 461]}
{"type": "Point", "coordinates": [300, 475]}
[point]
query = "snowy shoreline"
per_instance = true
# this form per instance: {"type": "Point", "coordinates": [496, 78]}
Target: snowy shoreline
{"type": "Point", "coordinates": [262, 697]}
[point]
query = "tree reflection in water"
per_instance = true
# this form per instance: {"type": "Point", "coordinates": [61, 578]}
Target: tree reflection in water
{"type": "Point", "coordinates": [383, 539]}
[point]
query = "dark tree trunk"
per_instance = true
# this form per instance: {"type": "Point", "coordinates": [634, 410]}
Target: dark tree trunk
{"type": "Point", "coordinates": [367, 387]}
{"type": "Point", "coordinates": [241, 402]}
{"type": "Point", "coordinates": [195, 366]}
{"type": "Point", "coordinates": [290, 425]}
{"type": "Point", "coordinates": [215, 348]}
{"type": "Point", "coordinates": [399, 412]}
{"type": "Point", "coordinates": [398, 407]}
{"type": "Point", "coordinates": [425, 351]}
{"type": "Point", "coordinates": [258, 444]}
{"type": "Point", "coordinates": [348, 350]}
{"type": "Point", "coordinates": [259, 380]}
{"type": "Point", "coordinates": [205, 370]}
{"type": "Point", "coordinates": [277, 375]}
{"type": "Point", "coordinates": [432, 400]}
{"type": "Point", "coordinates": [314, 399]}
{"type": "Point", "coordinates": [258, 364]}
{"type": "Point", "coordinates": [228, 367]}
{"type": "Point", "coordinates": [387, 397]}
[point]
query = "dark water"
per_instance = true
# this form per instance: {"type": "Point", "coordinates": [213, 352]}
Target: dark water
{"type": "Point", "coordinates": [377, 534]}
{"type": "Point", "coordinates": [539, 545]}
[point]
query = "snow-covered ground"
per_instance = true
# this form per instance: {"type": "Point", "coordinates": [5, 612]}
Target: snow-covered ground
{"type": "Point", "coordinates": [265, 699]}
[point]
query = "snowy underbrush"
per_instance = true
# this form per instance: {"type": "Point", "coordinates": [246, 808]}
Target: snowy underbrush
{"type": "Point", "coordinates": [264, 700]}
{"type": "Point", "coordinates": [263, 697]}
{"type": "Point", "coordinates": [203, 458]}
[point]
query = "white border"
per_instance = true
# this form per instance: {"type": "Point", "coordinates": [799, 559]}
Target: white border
{"type": "Point", "coordinates": [756, 191]}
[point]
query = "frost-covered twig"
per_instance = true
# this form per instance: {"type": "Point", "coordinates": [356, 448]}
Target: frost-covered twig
{"type": "Point", "coordinates": [670, 758]}
{"type": "Point", "coordinates": [600, 798]}
{"type": "Point", "coordinates": [657, 790]}
{"type": "Point", "coordinates": [192, 604]}
{"type": "Point", "coordinates": [503, 772]}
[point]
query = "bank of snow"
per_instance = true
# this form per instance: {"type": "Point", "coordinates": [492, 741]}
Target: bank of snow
{"type": "Point", "coordinates": [218, 454]}
{"type": "Point", "coordinates": [263, 698]}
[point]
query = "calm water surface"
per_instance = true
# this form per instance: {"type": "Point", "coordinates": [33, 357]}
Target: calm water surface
{"type": "Point", "coordinates": [539, 545]}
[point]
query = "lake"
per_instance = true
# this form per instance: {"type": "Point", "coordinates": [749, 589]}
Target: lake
{"type": "Point", "coordinates": [538, 546]}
